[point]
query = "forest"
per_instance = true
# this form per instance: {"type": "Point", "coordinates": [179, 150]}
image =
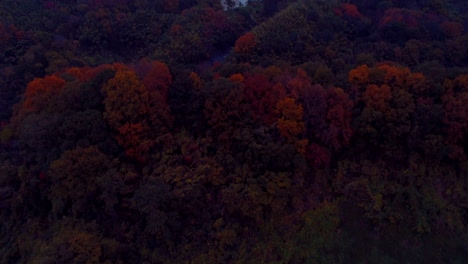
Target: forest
{"type": "Point", "coordinates": [208, 131]}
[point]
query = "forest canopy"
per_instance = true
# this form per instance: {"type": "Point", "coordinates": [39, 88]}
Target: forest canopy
{"type": "Point", "coordinates": [203, 131]}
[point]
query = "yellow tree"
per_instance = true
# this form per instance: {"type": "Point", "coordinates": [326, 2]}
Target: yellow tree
{"type": "Point", "coordinates": [291, 123]}
{"type": "Point", "coordinates": [127, 108]}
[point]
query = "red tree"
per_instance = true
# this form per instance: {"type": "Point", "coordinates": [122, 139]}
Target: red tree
{"type": "Point", "coordinates": [245, 44]}
{"type": "Point", "coordinates": [40, 91]}
{"type": "Point", "coordinates": [158, 78]}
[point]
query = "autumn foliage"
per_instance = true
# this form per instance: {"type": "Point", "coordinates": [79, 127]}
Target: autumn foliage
{"type": "Point", "coordinates": [192, 131]}
{"type": "Point", "coordinates": [245, 44]}
{"type": "Point", "coordinates": [290, 123]}
{"type": "Point", "coordinates": [359, 76]}
{"type": "Point", "coordinates": [348, 10]}
{"type": "Point", "coordinates": [40, 92]}
{"type": "Point", "coordinates": [158, 78]}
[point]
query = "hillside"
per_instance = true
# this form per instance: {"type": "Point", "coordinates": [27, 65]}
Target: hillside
{"type": "Point", "coordinates": [286, 131]}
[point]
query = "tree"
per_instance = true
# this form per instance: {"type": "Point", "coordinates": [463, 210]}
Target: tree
{"type": "Point", "coordinates": [389, 106]}
{"type": "Point", "coordinates": [73, 242]}
{"type": "Point", "coordinates": [377, 97]}
{"type": "Point", "coordinates": [75, 179]}
{"type": "Point", "coordinates": [151, 201]}
{"type": "Point", "coordinates": [290, 123]}
{"type": "Point", "coordinates": [318, 156]}
{"type": "Point", "coordinates": [127, 111]}
{"type": "Point", "coordinates": [126, 99]}
{"type": "Point", "coordinates": [187, 101]}
{"type": "Point", "coordinates": [452, 29]}
{"type": "Point", "coordinates": [225, 108]}
{"type": "Point", "coordinates": [339, 118]}
{"type": "Point", "coordinates": [171, 5]}
{"type": "Point", "coordinates": [197, 82]}
{"type": "Point", "coordinates": [245, 43]}
{"type": "Point", "coordinates": [158, 78]}
{"type": "Point", "coordinates": [298, 85]}
{"type": "Point", "coordinates": [328, 116]}
{"type": "Point", "coordinates": [359, 76]}
{"type": "Point", "coordinates": [455, 118]}
{"type": "Point", "coordinates": [262, 97]}
{"type": "Point", "coordinates": [349, 10]}
{"type": "Point", "coordinates": [40, 93]}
